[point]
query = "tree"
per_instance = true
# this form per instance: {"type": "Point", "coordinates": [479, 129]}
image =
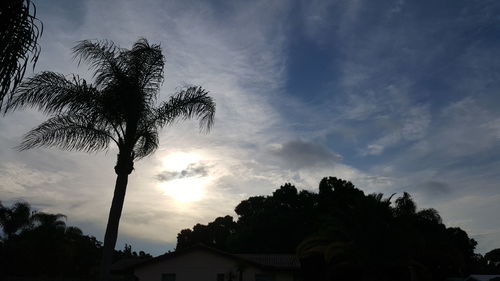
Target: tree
{"type": "Point", "coordinates": [19, 33]}
{"type": "Point", "coordinates": [15, 218]}
{"type": "Point", "coordinates": [341, 232]}
{"type": "Point", "coordinates": [120, 107]}
{"type": "Point", "coordinates": [493, 256]}
{"type": "Point", "coordinates": [52, 221]}
{"type": "Point", "coordinates": [405, 207]}
{"type": "Point", "coordinates": [215, 234]}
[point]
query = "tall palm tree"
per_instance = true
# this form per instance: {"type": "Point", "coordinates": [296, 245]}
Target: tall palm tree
{"type": "Point", "coordinates": [19, 33]}
{"type": "Point", "coordinates": [120, 108]}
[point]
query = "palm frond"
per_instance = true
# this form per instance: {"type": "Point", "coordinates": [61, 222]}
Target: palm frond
{"type": "Point", "coordinates": [192, 102]}
{"type": "Point", "coordinates": [69, 133]}
{"type": "Point", "coordinates": [19, 33]}
{"type": "Point", "coordinates": [51, 92]}
{"type": "Point", "coordinates": [146, 64]}
{"type": "Point", "coordinates": [146, 144]}
{"type": "Point", "coordinates": [103, 57]}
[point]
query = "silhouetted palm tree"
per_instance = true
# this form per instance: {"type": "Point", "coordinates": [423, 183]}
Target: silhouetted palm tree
{"type": "Point", "coordinates": [49, 221]}
{"type": "Point", "coordinates": [15, 218]}
{"type": "Point", "coordinates": [19, 33]}
{"type": "Point", "coordinates": [119, 107]}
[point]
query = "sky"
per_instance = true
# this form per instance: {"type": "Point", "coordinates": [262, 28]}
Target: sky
{"type": "Point", "coordinates": [393, 95]}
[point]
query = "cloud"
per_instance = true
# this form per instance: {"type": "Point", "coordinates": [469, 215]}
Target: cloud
{"type": "Point", "coordinates": [298, 154]}
{"type": "Point", "coordinates": [193, 170]}
{"type": "Point", "coordinates": [411, 126]}
{"type": "Point", "coordinates": [434, 189]}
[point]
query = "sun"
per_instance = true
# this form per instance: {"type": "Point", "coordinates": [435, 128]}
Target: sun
{"type": "Point", "coordinates": [185, 190]}
{"type": "Point", "coordinates": [178, 161]}
{"type": "Point", "coordinates": [181, 188]}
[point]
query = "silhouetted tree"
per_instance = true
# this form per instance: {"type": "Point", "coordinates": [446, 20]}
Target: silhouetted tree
{"type": "Point", "coordinates": [341, 233]}
{"type": "Point", "coordinates": [119, 107]}
{"type": "Point", "coordinates": [215, 234]}
{"type": "Point", "coordinates": [127, 253]}
{"type": "Point", "coordinates": [53, 221]}
{"type": "Point", "coordinates": [15, 218]}
{"type": "Point", "coordinates": [46, 247]}
{"type": "Point", "coordinates": [405, 207]}
{"type": "Point", "coordinates": [19, 33]}
{"type": "Point", "coordinates": [493, 256]}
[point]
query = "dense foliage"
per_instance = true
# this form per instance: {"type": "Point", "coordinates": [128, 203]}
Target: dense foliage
{"type": "Point", "coordinates": [340, 232]}
{"type": "Point", "coordinates": [37, 244]}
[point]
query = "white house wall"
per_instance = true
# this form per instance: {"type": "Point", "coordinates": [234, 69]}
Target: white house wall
{"type": "Point", "coordinates": [201, 266]}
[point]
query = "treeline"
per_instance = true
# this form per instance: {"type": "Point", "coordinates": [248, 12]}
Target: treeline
{"type": "Point", "coordinates": [341, 233]}
{"type": "Point", "coordinates": [37, 244]}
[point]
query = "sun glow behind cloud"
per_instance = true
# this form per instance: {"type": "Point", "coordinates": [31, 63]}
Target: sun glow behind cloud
{"type": "Point", "coordinates": [177, 161]}
{"type": "Point", "coordinates": [183, 186]}
{"type": "Point", "coordinates": [185, 190]}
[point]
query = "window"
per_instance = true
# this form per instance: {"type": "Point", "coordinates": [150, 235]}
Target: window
{"type": "Point", "coordinates": [264, 277]}
{"type": "Point", "coordinates": [168, 277]}
{"type": "Point", "coordinates": [220, 276]}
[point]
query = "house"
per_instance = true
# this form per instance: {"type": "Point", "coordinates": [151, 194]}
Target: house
{"type": "Point", "coordinates": [123, 270]}
{"type": "Point", "coordinates": [476, 277]}
{"type": "Point", "coordinates": [202, 263]}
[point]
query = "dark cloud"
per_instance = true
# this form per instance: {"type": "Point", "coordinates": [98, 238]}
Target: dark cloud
{"type": "Point", "coordinates": [298, 154]}
{"type": "Point", "coordinates": [434, 189]}
{"type": "Point", "coordinates": [192, 170]}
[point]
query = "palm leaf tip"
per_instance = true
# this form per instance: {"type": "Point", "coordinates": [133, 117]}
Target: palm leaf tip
{"type": "Point", "coordinates": [94, 51]}
{"type": "Point", "coordinates": [203, 107]}
{"type": "Point", "coordinates": [208, 115]}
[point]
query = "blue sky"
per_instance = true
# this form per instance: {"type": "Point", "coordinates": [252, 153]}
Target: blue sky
{"type": "Point", "coordinates": [393, 95]}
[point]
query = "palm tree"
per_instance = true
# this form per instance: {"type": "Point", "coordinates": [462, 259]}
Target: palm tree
{"type": "Point", "coordinates": [49, 221]}
{"type": "Point", "coordinates": [19, 33]}
{"type": "Point", "coordinates": [15, 219]}
{"type": "Point", "coordinates": [120, 107]}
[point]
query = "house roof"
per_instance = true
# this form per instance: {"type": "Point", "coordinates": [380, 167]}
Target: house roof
{"type": "Point", "coordinates": [277, 261]}
{"type": "Point", "coordinates": [271, 262]}
{"type": "Point", "coordinates": [127, 263]}
{"type": "Point", "coordinates": [476, 277]}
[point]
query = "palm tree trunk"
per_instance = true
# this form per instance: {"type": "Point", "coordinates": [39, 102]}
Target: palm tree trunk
{"type": "Point", "coordinates": [112, 226]}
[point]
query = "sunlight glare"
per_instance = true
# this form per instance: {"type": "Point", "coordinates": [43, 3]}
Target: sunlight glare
{"type": "Point", "coordinates": [183, 189]}
{"type": "Point", "coordinates": [178, 161]}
